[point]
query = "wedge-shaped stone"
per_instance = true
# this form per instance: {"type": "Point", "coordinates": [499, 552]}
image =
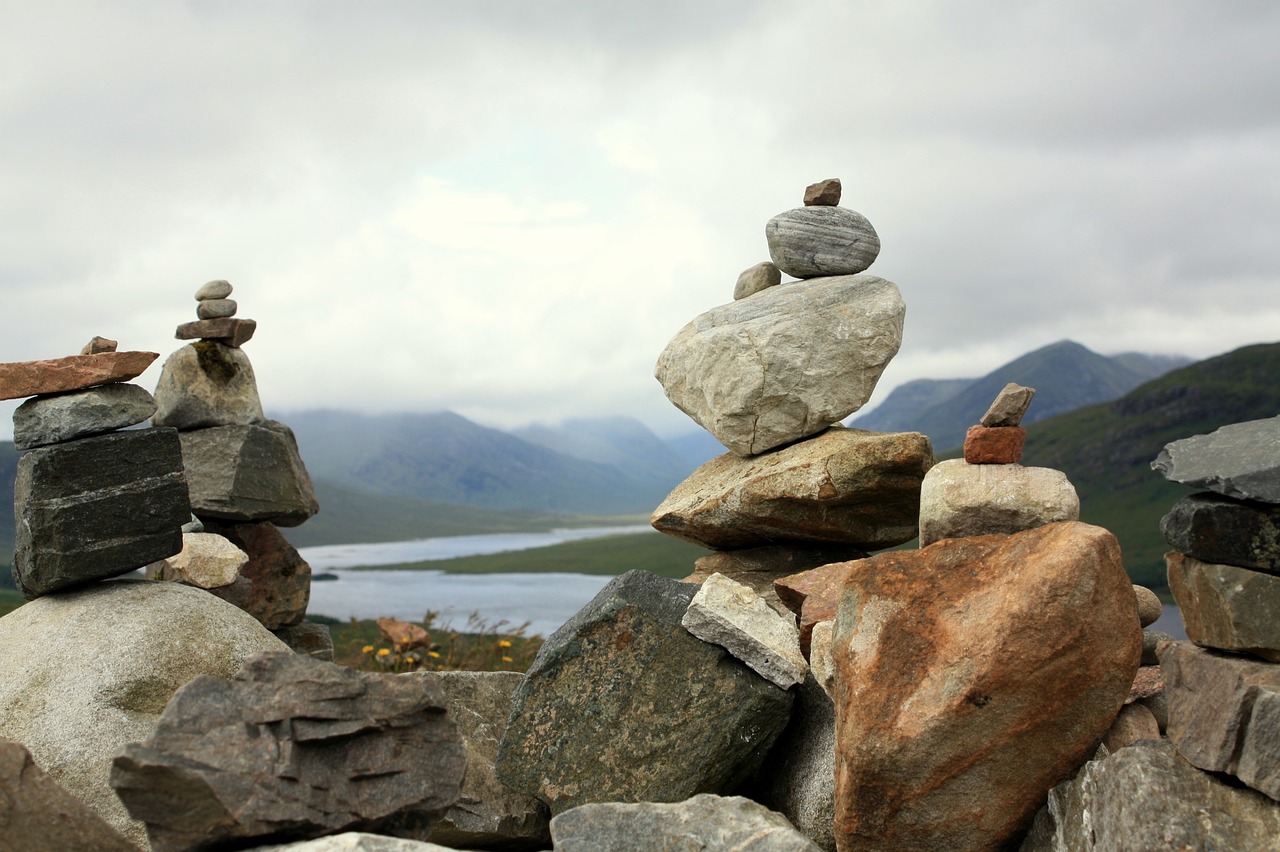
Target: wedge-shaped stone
{"type": "Point", "coordinates": [74, 372]}
{"type": "Point", "coordinates": [821, 240]}
{"type": "Point", "coordinates": [958, 499]}
{"type": "Point", "coordinates": [229, 331]}
{"type": "Point", "coordinates": [1225, 607]}
{"type": "Point", "coordinates": [702, 822]}
{"type": "Point", "coordinates": [1240, 460]}
{"type": "Point", "coordinates": [729, 614]}
{"type": "Point", "coordinates": [1213, 528]}
{"type": "Point", "coordinates": [292, 748]}
{"type": "Point", "coordinates": [787, 362]}
{"type": "Point", "coordinates": [56, 419]}
{"type": "Point", "coordinates": [971, 676]}
{"type": "Point", "coordinates": [207, 384]}
{"type": "Point", "coordinates": [97, 508]}
{"type": "Point", "coordinates": [1224, 713]}
{"type": "Point", "coordinates": [1146, 797]}
{"type": "Point", "coordinates": [845, 486]}
{"type": "Point", "coordinates": [248, 473]}
{"type": "Point", "coordinates": [622, 704]}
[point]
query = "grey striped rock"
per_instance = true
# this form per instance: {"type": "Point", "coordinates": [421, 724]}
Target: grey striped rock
{"type": "Point", "coordinates": [1240, 460]}
{"type": "Point", "coordinates": [809, 242]}
{"type": "Point", "coordinates": [787, 362]}
{"type": "Point", "coordinates": [46, 420]}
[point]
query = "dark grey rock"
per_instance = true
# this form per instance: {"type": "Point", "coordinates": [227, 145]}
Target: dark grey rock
{"type": "Point", "coordinates": [308, 638]}
{"type": "Point", "coordinates": [808, 242]}
{"type": "Point", "coordinates": [97, 508]}
{"type": "Point", "coordinates": [1224, 713]}
{"type": "Point", "coordinates": [274, 586]}
{"type": "Point", "coordinates": [292, 748]}
{"type": "Point", "coordinates": [1009, 406]}
{"type": "Point", "coordinates": [1151, 639]}
{"type": "Point", "coordinates": [703, 822]}
{"type": "Point", "coordinates": [46, 420]}
{"type": "Point", "coordinates": [1213, 528]}
{"type": "Point", "coordinates": [1240, 460]}
{"type": "Point", "coordinates": [1225, 607]}
{"type": "Point", "coordinates": [622, 704]}
{"type": "Point", "coordinates": [489, 814]}
{"type": "Point", "coordinates": [248, 473]}
{"type": "Point", "coordinates": [1145, 797]}
{"type": "Point", "coordinates": [205, 384]}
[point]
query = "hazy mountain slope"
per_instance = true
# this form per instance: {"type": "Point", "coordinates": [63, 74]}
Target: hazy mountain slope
{"type": "Point", "coordinates": [1150, 366]}
{"type": "Point", "coordinates": [696, 447]}
{"type": "Point", "coordinates": [900, 410]}
{"type": "Point", "coordinates": [623, 442]}
{"type": "Point", "coordinates": [1106, 449]}
{"type": "Point", "coordinates": [8, 469]}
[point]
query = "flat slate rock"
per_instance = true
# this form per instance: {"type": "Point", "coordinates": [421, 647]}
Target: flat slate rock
{"type": "Point", "coordinates": [56, 419]}
{"type": "Point", "coordinates": [703, 822]}
{"type": "Point", "coordinates": [787, 362]}
{"type": "Point", "coordinates": [814, 241]}
{"type": "Point", "coordinates": [74, 372]}
{"type": "Point", "coordinates": [622, 704]}
{"type": "Point", "coordinates": [248, 473]}
{"type": "Point", "coordinates": [292, 748]}
{"type": "Point", "coordinates": [97, 508]}
{"type": "Point", "coordinates": [1213, 528]}
{"type": "Point", "coordinates": [231, 331]}
{"type": "Point", "coordinates": [1240, 460]}
{"type": "Point", "coordinates": [1225, 607]}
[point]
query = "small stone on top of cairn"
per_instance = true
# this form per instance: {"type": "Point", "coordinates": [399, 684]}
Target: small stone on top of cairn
{"type": "Point", "coordinates": [999, 437]}
{"type": "Point", "coordinates": [216, 318]}
{"type": "Point", "coordinates": [99, 345]}
{"type": "Point", "coordinates": [824, 193]}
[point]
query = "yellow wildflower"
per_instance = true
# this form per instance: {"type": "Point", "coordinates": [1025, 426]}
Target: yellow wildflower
{"type": "Point", "coordinates": [433, 654]}
{"type": "Point", "coordinates": [504, 643]}
{"type": "Point", "coordinates": [506, 660]}
{"type": "Point", "coordinates": [367, 649]}
{"type": "Point", "coordinates": [382, 652]}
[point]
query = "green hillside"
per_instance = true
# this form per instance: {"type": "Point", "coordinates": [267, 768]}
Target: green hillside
{"type": "Point", "coordinates": [1106, 449]}
{"type": "Point", "coordinates": [8, 469]}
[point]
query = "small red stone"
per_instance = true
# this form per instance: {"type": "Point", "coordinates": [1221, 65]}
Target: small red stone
{"type": "Point", "coordinates": [994, 444]}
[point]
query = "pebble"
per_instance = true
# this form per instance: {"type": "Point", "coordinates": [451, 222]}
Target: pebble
{"type": "Point", "coordinates": [213, 290]}
{"type": "Point", "coordinates": [1009, 406]}
{"type": "Point", "coordinates": [216, 309]}
{"type": "Point", "coordinates": [762, 276]}
{"type": "Point", "coordinates": [99, 345]}
{"type": "Point", "coordinates": [824, 193]}
{"type": "Point", "coordinates": [1149, 606]}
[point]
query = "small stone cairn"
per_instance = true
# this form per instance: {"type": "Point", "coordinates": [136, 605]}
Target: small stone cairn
{"type": "Point", "coordinates": [244, 473]}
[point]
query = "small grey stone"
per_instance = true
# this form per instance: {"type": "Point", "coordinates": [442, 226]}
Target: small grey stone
{"type": "Point", "coordinates": [216, 309]}
{"type": "Point", "coordinates": [809, 242]}
{"type": "Point", "coordinates": [762, 276]}
{"type": "Point", "coordinates": [193, 526]}
{"type": "Point", "coordinates": [1151, 640]}
{"type": "Point", "coordinates": [230, 331]}
{"type": "Point", "coordinates": [1240, 460]}
{"type": "Point", "coordinates": [213, 290]}
{"type": "Point", "coordinates": [731, 615]}
{"type": "Point", "coordinates": [959, 499]}
{"type": "Point", "coordinates": [45, 420]}
{"type": "Point", "coordinates": [309, 639]}
{"type": "Point", "coordinates": [1009, 406]}
{"type": "Point", "coordinates": [356, 841]}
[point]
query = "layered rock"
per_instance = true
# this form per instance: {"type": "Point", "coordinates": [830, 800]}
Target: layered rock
{"type": "Point", "coordinates": [1241, 460]}
{"type": "Point", "coordinates": [56, 419]}
{"type": "Point", "coordinates": [291, 748]}
{"type": "Point", "coordinates": [821, 240]}
{"type": "Point", "coordinates": [941, 743]}
{"type": "Point", "coordinates": [787, 362]}
{"type": "Point", "coordinates": [845, 486]}
{"type": "Point", "coordinates": [1227, 607]}
{"type": "Point", "coordinates": [958, 499]}
{"type": "Point", "coordinates": [83, 673]}
{"type": "Point", "coordinates": [729, 614]}
{"type": "Point", "coordinates": [72, 373]}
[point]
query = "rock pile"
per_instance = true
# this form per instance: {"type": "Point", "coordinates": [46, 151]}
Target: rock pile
{"type": "Point", "coordinates": [243, 471]}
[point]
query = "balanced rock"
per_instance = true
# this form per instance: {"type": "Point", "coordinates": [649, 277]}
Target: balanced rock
{"type": "Point", "coordinates": [1224, 713]}
{"type": "Point", "coordinates": [217, 289]}
{"type": "Point", "coordinates": [845, 486]}
{"type": "Point", "coordinates": [731, 615]}
{"type": "Point", "coordinates": [809, 242]}
{"type": "Point", "coordinates": [488, 813]}
{"type": "Point", "coordinates": [216, 309]}
{"type": "Point", "coordinates": [1147, 797]}
{"type": "Point", "coordinates": [248, 473]}
{"type": "Point", "coordinates": [1133, 724]}
{"type": "Point", "coordinates": [274, 585]}
{"type": "Point", "coordinates": [994, 444]}
{"type": "Point", "coordinates": [207, 384]}
{"type": "Point", "coordinates": [72, 373]}
{"type": "Point", "coordinates": [291, 748]}
{"type": "Point", "coordinates": [958, 499]}
{"type": "Point", "coordinates": [701, 822]}
{"type": "Point", "coordinates": [1009, 406]}
{"type": "Point", "coordinates": [622, 704]}
{"type": "Point", "coordinates": [1213, 528]}
{"type": "Point", "coordinates": [82, 673]}
{"type": "Point", "coordinates": [758, 567]}
{"type": "Point", "coordinates": [942, 743]}
{"type": "Point", "coordinates": [57, 419]}
{"type": "Point", "coordinates": [1225, 607]}
{"type": "Point", "coordinates": [824, 193]}
{"type": "Point", "coordinates": [98, 345]}
{"type": "Point", "coordinates": [762, 276]}
{"type": "Point", "coordinates": [1150, 608]}
{"type": "Point", "coordinates": [206, 561]}
{"type": "Point", "coordinates": [97, 508]}
{"type": "Point", "coordinates": [786, 363]}
{"type": "Point", "coordinates": [1240, 460]}
{"type": "Point", "coordinates": [229, 331]}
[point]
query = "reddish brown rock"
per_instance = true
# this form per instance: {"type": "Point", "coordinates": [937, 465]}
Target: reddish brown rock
{"type": "Point", "coordinates": [1147, 683]}
{"type": "Point", "coordinates": [1134, 722]}
{"type": "Point", "coordinates": [994, 444]}
{"type": "Point", "coordinates": [844, 486]}
{"type": "Point", "coordinates": [813, 595]}
{"type": "Point", "coordinates": [74, 372]}
{"type": "Point", "coordinates": [824, 193]}
{"type": "Point", "coordinates": [971, 677]}
{"type": "Point", "coordinates": [274, 586]}
{"type": "Point", "coordinates": [758, 567]}
{"type": "Point", "coordinates": [402, 634]}
{"type": "Point", "coordinates": [231, 331]}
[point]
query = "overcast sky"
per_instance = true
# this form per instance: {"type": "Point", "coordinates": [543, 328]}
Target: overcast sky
{"type": "Point", "coordinates": [507, 209]}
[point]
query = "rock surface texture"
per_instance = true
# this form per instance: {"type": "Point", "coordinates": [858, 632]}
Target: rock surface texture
{"type": "Point", "coordinates": [1213, 528]}
{"type": "Point", "coordinates": [941, 743]}
{"type": "Point", "coordinates": [958, 499]}
{"type": "Point", "coordinates": [48, 420]}
{"type": "Point", "coordinates": [1241, 460]}
{"type": "Point", "coordinates": [72, 373]}
{"type": "Point", "coordinates": [82, 673]}
{"type": "Point", "coordinates": [845, 486]}
{"type": "Point", "coordinates": [814, 241]}
{"type": "Point", "coordinates": [622, 704]}
{"type": "Point", "coordinates": [248, 473]}
{"type": "Point", "coordinates": [729, 614]}
{"type": "Point", "coordinates": [1225, 607]}
{"type": "Point", "coordinates": [785, 363]}
{"type": "Point", "coordinates": [274, 586]}
{"type": "Point", "coordinates": [292, 748]}
{"type": "Point", "coordinates": [207, 384]}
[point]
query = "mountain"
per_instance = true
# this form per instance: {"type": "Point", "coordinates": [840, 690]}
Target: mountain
{"type": "Point", "coordinates": [622, 442]}
{"type": "Point", "coordinates": [1065, 375]}
{"type": "Point", "coordinates": [445, 458]}
{"type": "Point", "coordinates": [1106, 449]}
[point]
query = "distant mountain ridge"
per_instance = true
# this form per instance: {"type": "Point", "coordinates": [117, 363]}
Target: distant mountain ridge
{"type": "Point", "coordinates": [1066, 376]}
